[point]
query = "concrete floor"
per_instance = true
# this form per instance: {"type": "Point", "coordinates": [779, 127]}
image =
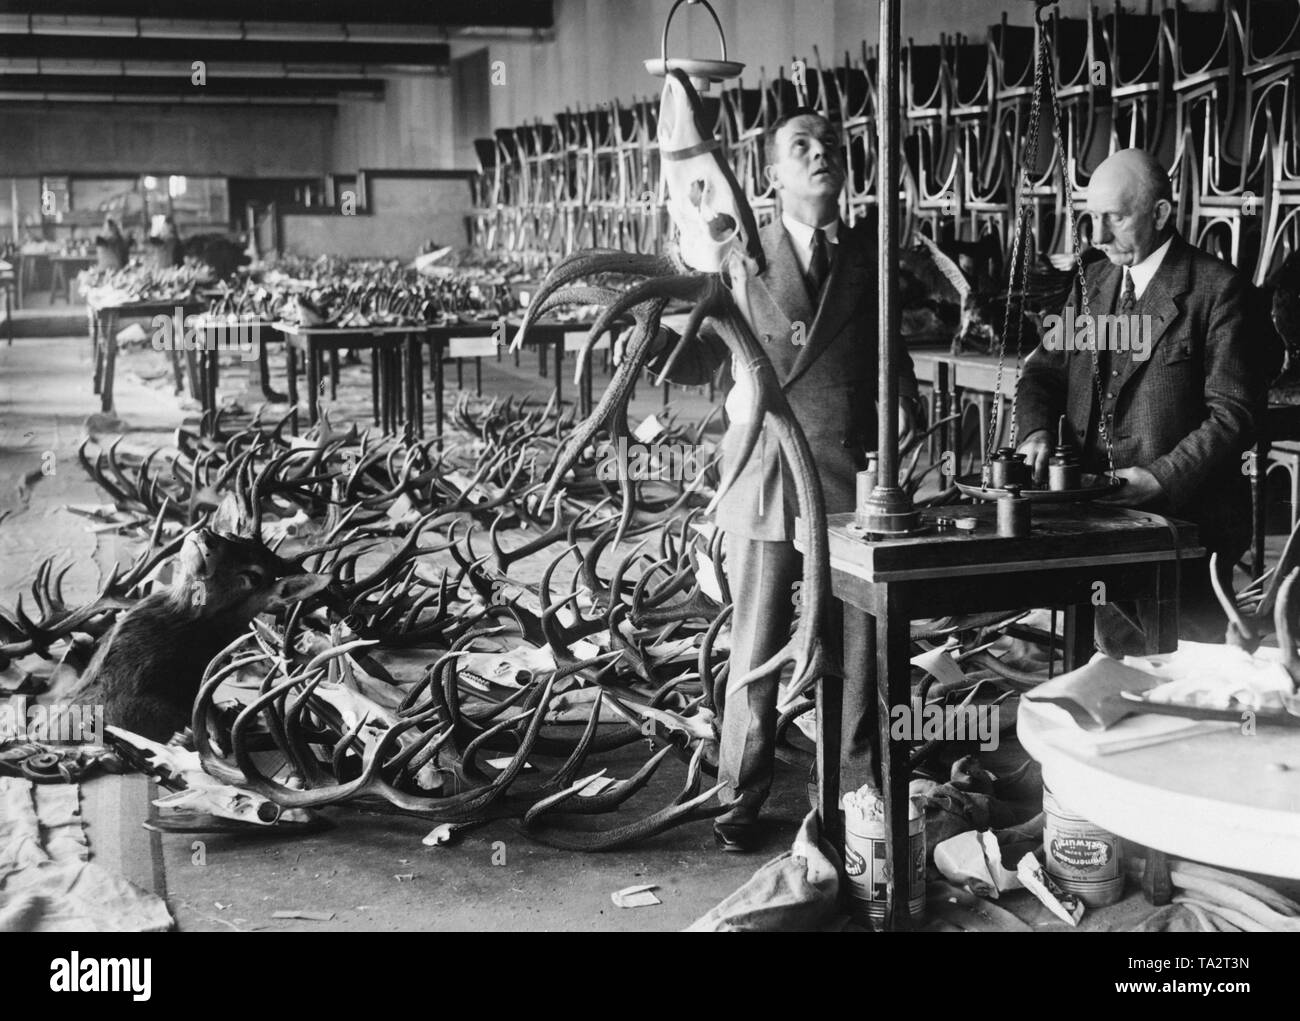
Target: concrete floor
{"type": "Point", "coordinates": [351, 868]}
{"type": "Point", "coordinates": [489, 878]}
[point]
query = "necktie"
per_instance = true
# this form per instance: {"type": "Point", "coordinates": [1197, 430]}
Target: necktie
{"type": "Point", "coordinates": [820, 265]}
{"type": "Point", "coordinates": [1128, 297]}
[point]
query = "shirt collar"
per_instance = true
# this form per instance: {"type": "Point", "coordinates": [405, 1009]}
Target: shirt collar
{"type": "Point", "coordinates": [801, 234]}
{"type": "Point", "coordinates": [1144, 271]}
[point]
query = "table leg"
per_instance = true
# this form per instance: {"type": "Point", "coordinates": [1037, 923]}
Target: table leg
{"type": "Point", "coordinates": [313, 382]}
{"type": "Point", "coordinates": [435, 359]}
{"type": "Point", "coordinates": [96, 351]}
{"type": "Point", "coordinates": [210, 381]}
{"type": "Point", "coordinates": [291, 380]}
{"type": "Point", "coordinates": [1162, 632]}
{"type": "Point", "coordinates": [460, 373]}
{"type": "Point", "coordinates": [334, 374]}
{"type": "Point", "coordinates": [108, 330]}
{"type": "Point", "coordinates": [478, 375]}
{"type": "Point", "coordinates": [1079, 639]}
{"type": "Point", "coordinates": [830, 708]}
{"type": "Point", "coordinates": [414, 417]}
{"type": "Point", "coordinates": [1258, 495]}
{"type": "Point", "coordinates": [192, 370]}
{"type": "Point", "coordinates": [374, 385]}
{"type": "Point", "coordinates": [559, 365]}
{"type": "Point", "coordinates": [541, 360]}
{"type": "Point", "coordinates": [894, 687]}
{"type": "Point", "coordinates": [1157, 886]}
{"type": "Point", "coordinates": [264, 370]}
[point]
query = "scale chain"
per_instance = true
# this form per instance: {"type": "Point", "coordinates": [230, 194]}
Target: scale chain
{"type": "Point", "coordinates": [1102, 430]}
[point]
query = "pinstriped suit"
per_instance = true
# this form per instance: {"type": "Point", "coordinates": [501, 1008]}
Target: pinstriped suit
{"type": "Point", "coordinates": [830, 383]}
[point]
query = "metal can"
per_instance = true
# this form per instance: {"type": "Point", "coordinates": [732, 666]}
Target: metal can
{"type": "Point", "coordinates": [1009, 468]}
{"type": "Point", "coordinates": [1013, 513]}
{"type": "Point", "coordinates": [1063, 472]}
{"type": "Point", "coordinates": [864, 864]}
{"type": "Point", "coordinates": [1081, 857]}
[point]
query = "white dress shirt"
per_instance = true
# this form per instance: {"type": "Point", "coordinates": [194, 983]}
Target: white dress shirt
{"type": "Point", "coordinates": [1143, 272]}
{"type": "Point", "coordinates": [801, 237]}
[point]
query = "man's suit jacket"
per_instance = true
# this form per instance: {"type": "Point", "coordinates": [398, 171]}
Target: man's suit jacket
{"type": "Point", "coordinates": [829, 380]}
{"type": "Point", "coordinates": [1188, 410]}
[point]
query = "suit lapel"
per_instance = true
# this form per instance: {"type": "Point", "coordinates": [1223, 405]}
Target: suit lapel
{"type": "Point", "coordinates": [1160, 303]}
{"type": "Point", "coordinates": [1104, 290]}
{"type": "Point", "coordinates": [839, 298]}
{"type": "Point", "coordinates": [784, 280]}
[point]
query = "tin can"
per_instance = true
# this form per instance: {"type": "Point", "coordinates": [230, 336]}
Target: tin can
{"type": "Point", "coordinates": [1063, 472]}
{"type": "Point", "coordinates": [1081, 857]}
{"type": "Point", "coordinates": [864, 864]}
{"type": "Point", "coordinates": [1009, 468]}
{"type": "Point", "coordinates": [1013, 513]}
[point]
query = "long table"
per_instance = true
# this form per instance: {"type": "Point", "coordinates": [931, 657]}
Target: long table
{"type": "Point", "coordinates": [395, 369]}
{"type": "Point", "coordinates": [106, 314]}
{"type": "Point", "coordinates": [892, 582]}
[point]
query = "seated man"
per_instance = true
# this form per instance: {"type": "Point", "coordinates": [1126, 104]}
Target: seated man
{"type": "Point", "coordinates": [1180, 395]}
{"type": "Point", "coordinates": [814, 308]}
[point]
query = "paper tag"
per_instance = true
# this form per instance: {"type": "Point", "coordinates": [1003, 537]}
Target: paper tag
{"type": "Point", "coordinates": [635, 897]}
{"type": "Point", "coordinates": [504, 761]}
{"type": "Point", "coordinates": [472, 347]}
{"type": "Point", "coordinates": [707, 575]}
{"type": "Point", "coordinates": [598, 784]}
{"type": "Point", "coordinates": [940, 665]}
{"type": "Point", "coordinates": [575, 339]}
{"type": "Point", "coordinates": [649, 430]}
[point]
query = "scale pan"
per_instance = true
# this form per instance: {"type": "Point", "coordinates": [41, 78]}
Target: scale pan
{"type": "Point", "coordinates": [1093, 487]}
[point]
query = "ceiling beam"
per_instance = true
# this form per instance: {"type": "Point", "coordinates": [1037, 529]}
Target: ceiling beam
{"type": "Point", "coordinates": [445, 13]}
{"type": "Point", "coordinates": [121, 50]}
{"type": "Point", "coordinates": [283, 88]}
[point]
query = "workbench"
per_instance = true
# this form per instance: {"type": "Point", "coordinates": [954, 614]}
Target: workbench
{"type": "Point", "coordinates": [1072, 547]}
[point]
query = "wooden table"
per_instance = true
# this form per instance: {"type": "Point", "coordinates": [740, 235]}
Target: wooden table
{"type": "Point", "coordinates": [1070, 549]}
{"type": "Point", "coordinates": [395, 369]}
{"type": "Point", "coordinates": [59, 278]}
{"type": "Point", "coordinates": [10, 284]}
{"type": "Point", "coordinates": [106, 314]}
{"type": "Point", "coordinates": [559, 336]}
{"type": "Point", "coordinates": [217, 334]}
{"type": "Point", "coordinates": [955, 379]}
{"type": "Point", "coordinates": [1215, 797]}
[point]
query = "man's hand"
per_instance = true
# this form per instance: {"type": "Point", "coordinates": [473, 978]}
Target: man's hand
{"type": "Point", "coordinates": [1143, 488]}
{"type": "Point", "coordinates": [1037, 448]}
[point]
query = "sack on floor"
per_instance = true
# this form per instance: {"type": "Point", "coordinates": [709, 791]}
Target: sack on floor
{"type": "Point", "coordinates": [797, 891]}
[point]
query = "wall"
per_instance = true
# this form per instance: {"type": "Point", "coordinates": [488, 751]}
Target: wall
{"type": "Point", "coordinates": [600, 45]}
{"type": "Point", "coordinates": [405, 214]}
{"type": "Point", "coordinates": [102, 137]}
{"type": "Point", "coordinates": [413, 129]}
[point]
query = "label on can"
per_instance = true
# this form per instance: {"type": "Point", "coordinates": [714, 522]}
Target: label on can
{"type": "Point", "coordinates": [1083, 853]}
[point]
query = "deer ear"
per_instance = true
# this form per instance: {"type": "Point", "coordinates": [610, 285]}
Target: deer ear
{"type": "Point", "coordinates": [295, 588]}
{"type": "Point", "coordinates": [227, 517]}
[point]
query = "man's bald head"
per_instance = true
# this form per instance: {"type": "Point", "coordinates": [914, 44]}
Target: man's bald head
{"type": "Point", "coordinates": [1130, 202]}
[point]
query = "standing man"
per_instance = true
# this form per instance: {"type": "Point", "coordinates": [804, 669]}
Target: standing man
{"type": "Point", "coordinates": [814, 311]}
{"type": "Point", "coordinates": [1180, 405]}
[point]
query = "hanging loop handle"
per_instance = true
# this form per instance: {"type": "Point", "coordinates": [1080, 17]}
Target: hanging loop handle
{"type": "Point", "coordinates": [722, 39]}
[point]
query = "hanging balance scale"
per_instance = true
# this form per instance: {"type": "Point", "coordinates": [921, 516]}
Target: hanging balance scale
{"type": "Point", "coordinates": [702, 71]}
{"type": "Point", "coordinates": [1004, 472]}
